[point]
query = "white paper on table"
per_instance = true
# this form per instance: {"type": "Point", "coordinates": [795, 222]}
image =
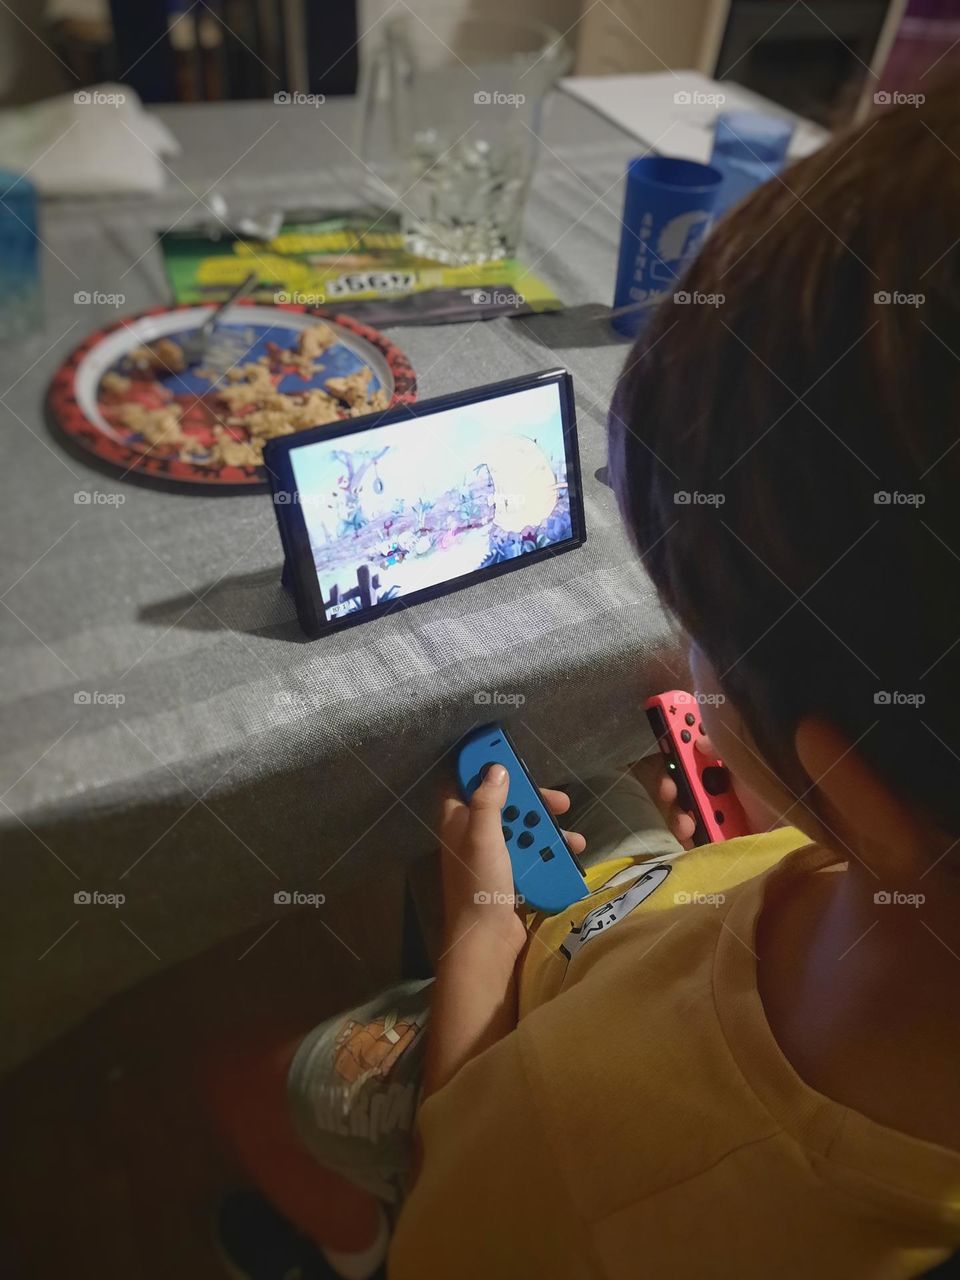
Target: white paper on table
{"type": "Point", "coordinates": [97, 141]}
{"type": "Point", "coordinates": [647, 106]}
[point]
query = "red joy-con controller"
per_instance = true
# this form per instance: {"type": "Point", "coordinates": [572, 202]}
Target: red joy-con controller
{"type": "Point", "coordinates": [704, 788]}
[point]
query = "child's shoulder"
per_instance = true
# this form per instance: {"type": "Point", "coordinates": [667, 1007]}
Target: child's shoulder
{"type": "Point", "coordinates": [633, 901]}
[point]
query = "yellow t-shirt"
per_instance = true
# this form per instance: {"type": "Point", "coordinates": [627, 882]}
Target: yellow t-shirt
{"type": "Point", "coordinates": [641, 1121]}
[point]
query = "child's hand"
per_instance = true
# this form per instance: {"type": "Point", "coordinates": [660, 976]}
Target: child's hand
{"type": "Point", "coordinates": [478, 890]}
{"type": "Point", "coordinates": [681, 823]}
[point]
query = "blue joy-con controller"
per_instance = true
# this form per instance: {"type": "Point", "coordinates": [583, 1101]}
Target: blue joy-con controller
{"type": "Point", "coordinates": [545, 872]}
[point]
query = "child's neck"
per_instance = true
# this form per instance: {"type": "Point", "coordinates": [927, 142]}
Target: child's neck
{"type": "Point", "coordinates": [864, 997]}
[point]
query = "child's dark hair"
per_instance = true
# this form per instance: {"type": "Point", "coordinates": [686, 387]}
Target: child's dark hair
{"type": "Point", "coordinates": [806, 400]}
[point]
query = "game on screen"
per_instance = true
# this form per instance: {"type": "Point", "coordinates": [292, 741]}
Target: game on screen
{"type": "Point", "coordinates": [416, 503]}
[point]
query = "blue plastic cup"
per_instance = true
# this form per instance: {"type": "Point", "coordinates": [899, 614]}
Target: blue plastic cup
{"type": "Point", "coordinates": [20, 304]}
{"type": "Point", "coordinates": [668, 208]}
{"type": "Point", "coordinates": [749, 148]}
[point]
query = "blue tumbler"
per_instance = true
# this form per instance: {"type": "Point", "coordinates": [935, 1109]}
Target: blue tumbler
{"type": "Point", "coordinates": [20, 303]}
{"type": "Point", "coordinates": [668, 208]}
{"type": "Point", "coordinates": [748, 148]}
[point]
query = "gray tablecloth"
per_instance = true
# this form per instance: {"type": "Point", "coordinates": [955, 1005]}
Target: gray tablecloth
{"type": "Point", "coordinates": [244, 761]}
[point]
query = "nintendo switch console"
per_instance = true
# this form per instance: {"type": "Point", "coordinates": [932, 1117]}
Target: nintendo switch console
{"type": "Point", "coordinates": [545, 872]}
{"type": "Point", "coordinates": [395, 507]}
{"type": "Point", "coordinates": [704, 788]}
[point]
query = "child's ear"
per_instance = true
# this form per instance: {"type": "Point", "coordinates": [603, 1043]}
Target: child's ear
{"type": "Point", "coordinates": [868, 812]}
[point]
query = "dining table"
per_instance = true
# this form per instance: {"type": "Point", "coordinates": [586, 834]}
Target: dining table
{"type": "Point", "coordinates": [177, 759]}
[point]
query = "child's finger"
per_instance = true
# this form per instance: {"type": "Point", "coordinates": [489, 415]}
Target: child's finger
{"type": "Point", "coordinates": [556, 801]}
{"type": "Point", "coordinates": [683, 827]}
{"type": "Point", "coordinates": [575, 841]}
{"type": "Point", "coordinates": [702, 743]}
{"type": "Point", "coordinates": [667, 789]}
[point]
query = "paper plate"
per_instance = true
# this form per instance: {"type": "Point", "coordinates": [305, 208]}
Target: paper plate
{"type": "Point", "coordinates": [87, 412]}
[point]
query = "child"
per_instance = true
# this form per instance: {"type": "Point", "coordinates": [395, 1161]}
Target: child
{"type": "Point", "coordinates": [751, 1069]}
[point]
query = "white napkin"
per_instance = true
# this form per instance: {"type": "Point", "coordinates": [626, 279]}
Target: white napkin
{"type": "Point", "coordinates": [96, 141]}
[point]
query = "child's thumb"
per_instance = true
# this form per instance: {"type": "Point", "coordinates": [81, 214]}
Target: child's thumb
{"type": "Point", "coordinates": [487, 801]}
{"type": "Point", "coordinates": [492, 790]}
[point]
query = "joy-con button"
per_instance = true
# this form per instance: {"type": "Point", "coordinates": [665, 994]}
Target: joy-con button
{"type": "Point", "coordinates": [531, 819]}
{"type": "Point", "coordinates": [715, 779]}
{"type": "Point", "coordinates": [511, 813]}
{"type": "Point", "coordinates": [507, 833]}
{"type": "Point", "coordinates": [546, 853]}
{"type": "Point", "coordinates": [719, 817]}
{"type": "Point", "coordinates": [690, 718]}
{"type": "Point", "coordinates": [684, 735]}
{"type": "Point", "coordinates": [524, 839]}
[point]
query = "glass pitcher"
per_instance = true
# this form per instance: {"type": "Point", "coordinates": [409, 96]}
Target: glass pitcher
{"type": "Point", "coordinates": [451, 131]}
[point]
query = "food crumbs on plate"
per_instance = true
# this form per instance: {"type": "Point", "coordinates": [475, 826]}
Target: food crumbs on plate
{"type": "Point", "coordinates": [243, 408]}
{"type": "Point", "coordinates": [157, 426]}
{"type": "Point", "coordinates": [352, 388]}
